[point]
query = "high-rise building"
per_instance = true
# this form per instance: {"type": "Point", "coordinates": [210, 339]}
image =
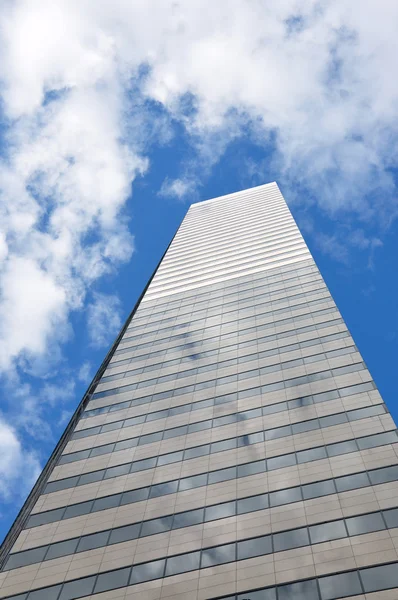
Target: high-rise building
{"type": "Point", "coordinates": [233, 443]}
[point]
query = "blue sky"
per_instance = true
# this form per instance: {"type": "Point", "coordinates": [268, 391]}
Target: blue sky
{"type": "Point", "coordinates": [113, 121]}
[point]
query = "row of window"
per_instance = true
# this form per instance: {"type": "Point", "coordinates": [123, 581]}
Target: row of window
{"type": "Point", "coordinates": [228, 419]}
{"type": "Point", "coordinates": [204, 514]}
{"type": "Point", "coordinates": [253, 391]}
{"type": "Point", "coordinates": [248, 255]}
{"type": "Point", "coordinates": [234, 313]}
{"type": "Point", "coordinates": [233, 238]}
{"type": "Point", "coordinates": [274, 351]}
{"type": "Point", "coordinates": [236, 335]}
{"type": "Point", "coordinates": [241, 302]}
{"type": "Point", "coordinates": [198, 238]}
{"type": "Point", "coordinates": [264, 368]}
{"type": "Point", "coordinates": [287, 334]}
{"type": "Point", "coordinates": [297, 250]}
{"type": "Point", "coordinates": [235, 323]}
{"type": "Point", "coordinates": [259, 466]}
{"type": "Point", "coordinates": [237, 551]}
{"type": "Point", "coordinates": [216, 350]}
{"type": "Point", "coordinates": [330, 587]}
{"type": "Point", "coordinates": [237, 290]}
{"type": "Point", "coordinates": [250, 250]}
{"type": "Point", "coordinates": [223, 289]}
{"type": "Point", "coordinates": [233, 319]}
{"type": "Point", "coordinates": [219, 363]}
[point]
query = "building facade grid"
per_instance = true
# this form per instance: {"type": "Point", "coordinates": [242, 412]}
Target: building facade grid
{"type": "Point", "coordinates": [235, 446]}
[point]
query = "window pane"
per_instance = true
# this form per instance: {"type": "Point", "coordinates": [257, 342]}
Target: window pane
{"type": "Point", "coordinates": [384, 475]}
{"type": "Point", "coordinates": [62, 549]}
{"type": "Point", "coordinates": [365, 524]}
{"type": "Point", "coordinates": [341, 448]}
{"type": "Point", "coordinates": [50, 593]}
{"type": "Point", "coordinates": [316, 490]}
{"type": "Point", "coordinates": [189, 483]}
{"type": "Point", "coordinates": [117, 471]}
{"type": "Point", "coordinates": [156, 525]}
{"type": "Point", "coordinates": [285, 496]}
{"type": "Point", "coordinates": [134, 496]}
{"type": "Point", "coordinates": [162, 489]}
{"type": "Point", "coordinates": [147, 571]}
{"type": "Point", "coordinates": [195, 452]}
{"type": "Point", "coordinates": [112, 580]}
{"type": "Point", "coordinates": [309, 455]}
{"type": "Point", "coordinates": [192, 517]}
{"type": "Point", "coordinates": [96, 540]}
{"type": "Point", "coordinates": [281, 461]}
{"type": "Point", "coordinates": [223, 445]}
{"type": "Point", "coordinates": [269, 594]}
{"type": "Point", "coordinates": [220, 511]}
{"type": "Point", "coordinates": [77, 589]}
{"type": "Point", "coordinates": [291, 539]}
{"type": "Point", "coordinates": [255, 547]}
{"type": "Point", "coordinates": [218, 555]}
{"type": "Point", "coordinates": [327, 531]}
{"type": "Point", "coordinates": [352, 482]}
{"type": "Point", "coordinates": [47, 517]}
{"type": "Point", "coordinates": [108, 502]}
{"type": "Point", "coordinates": [29, 557]}
{"type": "Point", "coordinates": [251, 504]}
{"type": "Point", "coordinates": [122, 534]}
{"type": "Point", "coordinates": [182, 564]}
{"type": "Point", "coordinates": [304, 590]}
{"type": "Point", "coordinates": [391, 517]}
{"type": "Point", "coordinates": [340, 586]}
{"type": "Point", "coordinates": [380, 578]}
{"type": "Point", "coordinates": [222, 475]}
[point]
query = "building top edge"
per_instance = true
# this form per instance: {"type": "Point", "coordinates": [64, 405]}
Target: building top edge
{"type": "Point", "coordinates": [235, 194]}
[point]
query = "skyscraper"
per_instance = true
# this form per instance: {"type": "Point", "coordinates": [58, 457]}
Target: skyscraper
{"type": "Point", "coordinates": [233, 443]}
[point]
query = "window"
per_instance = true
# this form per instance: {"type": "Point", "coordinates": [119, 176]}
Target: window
{"type": "Point", "coordinates": [192, 517]}
{"type": "Point", "coordinates": [303, 590]}
{"type": "Point", "coordinates": [161, 489]}
{"type": "Point", "coordinates": [134, 496]}
{"type": "Point", "coordinates": [112, 580]}
{"type": "Point", "coordinates": [62, 549]}
{"type": "Point", "coordinates": [291, 539]}
{"type": "Point", "coordinates": [251, 468]}
{"type": "Point", "coordinates": [269, 594]}
{"type": "Point", "coordinates": [156, 525]}
{"type": "Point", "coordinates": [182, 564]}
{"type": "Point", "coordinates": [252, 504]}
{"type": "Point", "coordinates": [28, 557]}
{"type": "Point", "coordinates": [77, 589]}
{"type": "Point", "coordinates": [340, 586]}
{"type": "Point", "coordinates": [316, 490]}
{"type": "Point", "coordinates": [218, 555]}
{"type": "Point", "coordinates": [147, 571]}
{"type": "Point", "coordinates": [285, 496]}
{"type": "Point", "coordinates": [380, 578]}
{"type": "Point", "coordinates": [352, 482]}
{"type": "Point", "coordinates": [327, 531]}
{"type": "Point", "coordinates": [384, 475]}
{"type": "Point", "coordinates": [220, 511]}
{"type": "Point", "coordinates": [222, 475]}
{"type": "Point", "coordinates": [95, 540]}
{"type": "Point", "coordinates": [255, 547]}
{"type": "Point", "coordinates": [308, 455]}
{"type": "Point", "coordinates": [50, 593]}
{"type": "Point", "coordinates": [341, 448]}
{"type": "Point", "coordinates": [391, 517]}
{"type": "Point", "coordinates": [365, 524]}
{"type": "Point", "coordinates": [281, 461]}
{"type": "Point", "coordinates": [122, 534]}
{"type": "Point", "coordinates": [47, 517]}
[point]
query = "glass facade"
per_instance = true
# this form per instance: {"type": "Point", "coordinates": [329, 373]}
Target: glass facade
{"type": "Point", "coordinates": [233, 444]}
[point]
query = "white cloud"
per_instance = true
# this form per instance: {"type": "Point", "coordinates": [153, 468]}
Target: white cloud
{"type": "Point", "coordinates": [85, 372]}
{"type": "Point", "coordinates": [319, 76]}
{"type": "Point", "coordinates": [104, 319]}
{"type": "Point", "coordinates": [19, 468]}
{"type": "Point", "coordinates": [177, 188]}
